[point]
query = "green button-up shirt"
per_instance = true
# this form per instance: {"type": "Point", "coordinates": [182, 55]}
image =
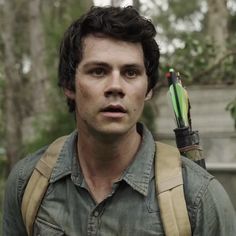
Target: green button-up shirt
{"type": "Point", "coordinates": [68, 208]}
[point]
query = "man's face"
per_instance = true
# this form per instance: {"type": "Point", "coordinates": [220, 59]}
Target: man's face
{"type": "Point", "coordinates": [110, 86]}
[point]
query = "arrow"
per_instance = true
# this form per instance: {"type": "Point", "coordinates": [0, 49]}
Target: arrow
{"type": "Point", "coordinates": [187, 140]}
{"type": "Point", "coordinates": [179, 99]}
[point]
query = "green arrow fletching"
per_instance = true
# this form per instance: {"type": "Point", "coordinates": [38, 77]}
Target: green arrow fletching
{"type": "Point", "coordinates": [180, 102]}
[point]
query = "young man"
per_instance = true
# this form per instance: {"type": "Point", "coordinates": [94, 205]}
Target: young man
{"type": "Point", "coordinates": [103, 182]}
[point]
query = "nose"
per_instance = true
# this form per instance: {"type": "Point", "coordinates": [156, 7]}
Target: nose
{"type": "Point", "coordinates": [114, 86]}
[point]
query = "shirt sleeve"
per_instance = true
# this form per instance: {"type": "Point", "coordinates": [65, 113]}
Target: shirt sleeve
{"type": "Point", "coordinates": [12, 219]}
{"type": "Point", "coordinates": [215, 215]}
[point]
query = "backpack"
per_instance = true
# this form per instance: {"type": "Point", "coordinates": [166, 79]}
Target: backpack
{"type": "Point", "coordinates": [169, 188]}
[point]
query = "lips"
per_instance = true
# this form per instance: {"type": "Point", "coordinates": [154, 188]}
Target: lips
{"type": "Point", "coordinates": [114, 108]}
{"type": "Point", "coordinates": [114, 111]}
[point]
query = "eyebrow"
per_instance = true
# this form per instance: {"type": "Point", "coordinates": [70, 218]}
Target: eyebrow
{"type": "Point", "coordinates": [96, 63]}
{"type": "Point", "coordinates": [136, 66]}
{"type": "Point", "coordinates": [104, 64]}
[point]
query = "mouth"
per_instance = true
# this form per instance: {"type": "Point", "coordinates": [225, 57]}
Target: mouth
{"type": "Point", "coordinates": [114, 111]}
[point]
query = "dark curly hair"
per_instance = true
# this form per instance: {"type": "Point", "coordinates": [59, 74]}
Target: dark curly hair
{"type": "Point", "coordinates": [120, 23]}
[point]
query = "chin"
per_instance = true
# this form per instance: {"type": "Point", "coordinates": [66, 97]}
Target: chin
{"type": "Point", "coordinates": [115, 130]}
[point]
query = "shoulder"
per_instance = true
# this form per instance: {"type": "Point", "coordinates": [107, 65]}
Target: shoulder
{"type": "Point", "coordinates": [206, 201]}
{"type": "Point", "coordinates": [195, 177]}
{"type": "Point", "coordinates": [16, 183]}
{"type": "Point", "coordinates": [196, 180]}
{"type": "Point", "coordinates": [22, 171]}
{"type": "Point", "coordinates": [196, 183]}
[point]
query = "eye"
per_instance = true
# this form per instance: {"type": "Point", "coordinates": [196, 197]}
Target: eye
{"type": "Point", "coordinates": [97, 72]}
{"type": "Point", "coordinates": [131, 73]}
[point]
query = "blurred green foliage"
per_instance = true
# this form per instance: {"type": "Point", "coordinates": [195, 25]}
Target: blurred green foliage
{"type": "Point", "coordinates": [58, 123]}
{"type": "Point", "coordinates": [198, 69]}
{"type": "Point", "coordinates": [149, 116]}
{"type": "Point", "coordinates": [192, 53]}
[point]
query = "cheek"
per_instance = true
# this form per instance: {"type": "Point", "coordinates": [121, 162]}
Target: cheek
{"type": "Point", "coordinates": [139, 94]}
{"type": "Point", "coordinates": [83, 92]}
{"type": "Point", "coordinates": [138, 102]}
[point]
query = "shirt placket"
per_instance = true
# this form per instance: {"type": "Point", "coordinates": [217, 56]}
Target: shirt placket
{"type": "Point", "coordinates": [93, 222]}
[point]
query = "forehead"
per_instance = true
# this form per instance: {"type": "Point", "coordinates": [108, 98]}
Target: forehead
{"type": "Point", "coordinates": [97, 47]}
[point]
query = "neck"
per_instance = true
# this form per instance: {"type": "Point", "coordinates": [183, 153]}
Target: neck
{"type": "Point", "coordinates": [103, 162]}
{"type": "Point", "coordinates": [101, 156]}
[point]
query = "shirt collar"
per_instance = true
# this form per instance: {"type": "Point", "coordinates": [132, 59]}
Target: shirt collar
{"type": "Point", "coordinates": [64, 162]}
{"type": "Point", "coordinates": [140, 172]}
{"type": "Point", "coordinates": [137, 175]}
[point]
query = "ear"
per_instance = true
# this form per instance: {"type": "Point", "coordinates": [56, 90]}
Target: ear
{"type": "Point", "coordinates": [69, 93]}
{"type": "Point", "coordinates": [148, 95]}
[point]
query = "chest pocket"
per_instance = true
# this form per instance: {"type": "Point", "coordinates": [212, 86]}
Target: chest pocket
{"type": "Point", "coordinates": [43, 228]}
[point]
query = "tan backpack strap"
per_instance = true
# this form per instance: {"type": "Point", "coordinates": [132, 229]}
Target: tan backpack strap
{"type": "Point", "coordinates": [38, 183]}
{"type": "Point", "coordinates": [170, 193]}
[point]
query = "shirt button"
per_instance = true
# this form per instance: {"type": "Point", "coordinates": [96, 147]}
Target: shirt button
{"type": "Point", "coordinates": [96, 213]}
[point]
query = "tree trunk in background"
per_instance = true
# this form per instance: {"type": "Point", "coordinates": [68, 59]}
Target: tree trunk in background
{"type": "Point", "coordinates": [116, 3]}
{"type": "Point", "coordinates": [39, 81]}
{"type": "Point", "coordinates": [218, 25]}
{"type": "Point", "coordinates": [13, 85]}
{"type": "Point", "coordinates": [25, 93]}
{"type": "Point", "coordinates": [137, 4]}
{"type": "Point", "coordinates": [38, 74]}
